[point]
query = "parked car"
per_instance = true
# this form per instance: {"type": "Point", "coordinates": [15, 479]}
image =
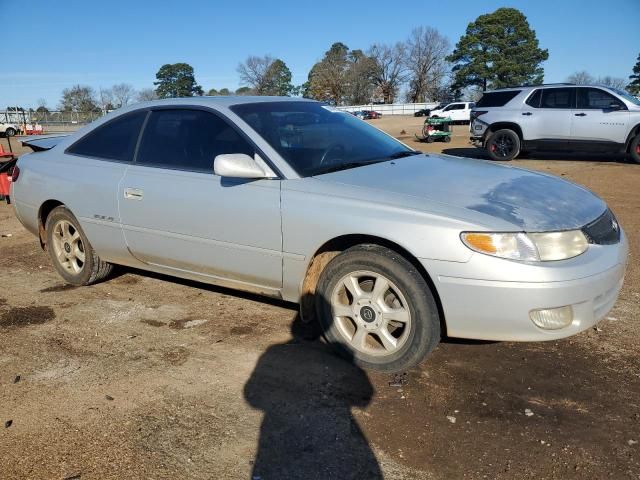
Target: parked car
{"type": "Point", "coordinates": [9, 129]}
{"type": "Point", "coordinates": [457, 111]}
{"type": "Point", "coordinates": [424, 112]}
{"type": "Point", "coordinates": [371, 114]}
{"type": "Point", "coordinates": [386, 247]}
{"type": "Point", "coordinates": [565, 117]}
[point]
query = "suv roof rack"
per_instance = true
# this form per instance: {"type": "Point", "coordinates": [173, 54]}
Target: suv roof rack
{"type": "Point", "coordinates": [529, 85]}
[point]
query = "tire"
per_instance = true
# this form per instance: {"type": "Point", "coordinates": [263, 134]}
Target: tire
{"type": "Point", "coordinates": [10, 132]}
{"type": "Point", "coordinates": [72, 255]}
{"type": "Point", "coordinates": [503, 145]}
{"type": "Point", "coordinates": [429, 139]}
{"type": "Point", "coordinates": [363, 335]}
{"type": "Point", "coordinates": [447, 139]}
{"type": "Point", "coordinates": [634, 149]}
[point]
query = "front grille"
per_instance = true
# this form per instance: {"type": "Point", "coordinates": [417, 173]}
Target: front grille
{"type": "Point", "coordinates": [604, 230]}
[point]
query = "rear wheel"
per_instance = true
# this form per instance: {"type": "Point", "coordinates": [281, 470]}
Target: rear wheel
{"type": "Point", "coordinates": [71, 253]}
{"type": "Point", "coordinates": [634, 149]}
{"type": "Point", "coordinates": [447, 138]}
{"type": "Point", "coordinates": [376, 309]}
{"type": "Point", "coordinates": [10, 132]}
{"type": "Point", "coordinates": [503, 145]}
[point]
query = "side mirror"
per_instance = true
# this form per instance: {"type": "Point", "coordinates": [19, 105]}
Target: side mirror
{"type": "Point", "coordinates": [237, 165]}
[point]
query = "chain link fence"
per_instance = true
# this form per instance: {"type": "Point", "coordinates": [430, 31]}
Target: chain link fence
{"type": "Point", "coordinates": [50, 121]}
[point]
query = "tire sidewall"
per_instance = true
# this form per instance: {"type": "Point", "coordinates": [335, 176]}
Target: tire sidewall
{"type": "Point", "coordinates": [9, 132]}
{"type": "Point", "coordinates": [516, 141]}
{"type": "Point", "coordinates": [425, 322]}
{"type": "Point", "coordinates": [82, 278]}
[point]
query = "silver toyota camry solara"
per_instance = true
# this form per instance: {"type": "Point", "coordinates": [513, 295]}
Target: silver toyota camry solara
{"type": "Point", "coordinates": [387, 248]}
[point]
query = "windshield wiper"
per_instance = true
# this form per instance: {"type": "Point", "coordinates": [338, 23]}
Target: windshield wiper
{"type": "Point", "coordinates": [346, 166]}
{"type": "Point", "coordinates": [404, 153]}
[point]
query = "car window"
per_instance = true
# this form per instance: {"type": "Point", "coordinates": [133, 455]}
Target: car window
{"type": "Point", "coordinates": [188, 140]}
{"type": "Point", "coordinates": [496, 99]}
{"type": "Point", "coordinates": [456, 106]}
{"type": "Point", "coordinates": [594, 98]}
{"type": "Point", "coordinates": [534, 99]}
{"type": "Point", "coordinates": [115, 140]}
{"type": "Point", "coordinates": [558, 98]}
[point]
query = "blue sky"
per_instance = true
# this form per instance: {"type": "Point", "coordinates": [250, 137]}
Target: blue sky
{"type": "Point", "coordinates": [99, 43]}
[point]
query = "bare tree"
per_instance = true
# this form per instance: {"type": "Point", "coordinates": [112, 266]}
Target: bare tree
{"type": "Point", "coordinates": [390, 71]}
{"type": "Point", "coordinates": [105, 99]}
{"type": "Point", "coordinates": [613, 82]}
{"type": "Point", "coordinates": [79, 98]}
{"type": "Point", "coordinates": [253, 72]}
{"type": "Point", "coordinates": [146, 94]}
{"type": "Point", "coordinates": [581, 78]}
{"type": "Point", "coordinates": [427, 50]}
{"type": "Point", "coordinates": [122, 94]}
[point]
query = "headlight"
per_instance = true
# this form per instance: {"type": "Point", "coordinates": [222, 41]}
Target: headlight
{"type": "Point", "coordinates": [528, 247]}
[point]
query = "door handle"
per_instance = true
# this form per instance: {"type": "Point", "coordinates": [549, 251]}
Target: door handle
{"type": "Point", "coordinates": [580, 114]}
{"type": "Point", "coordinates": [133, 194]}
{"type": "Point", "coordinates": [526, 113]}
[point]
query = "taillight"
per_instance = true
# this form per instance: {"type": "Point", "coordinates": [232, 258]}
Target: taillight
{"type": "Point", "coordinates": [476, 113]}
{"type": "Point", "coordinates": [15, 173]}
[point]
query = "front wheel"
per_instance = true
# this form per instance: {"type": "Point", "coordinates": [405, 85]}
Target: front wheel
{"type": "Point", "coordinates": [71, 253]}
{"type": "Point", "coordinates": [376, 309]}
{"type": "Point", "coordinates": [503, 145]}
{"type": "Point", "coordinates": [634, 149]}
{"type": "Point", "coordinates": [10, 132]}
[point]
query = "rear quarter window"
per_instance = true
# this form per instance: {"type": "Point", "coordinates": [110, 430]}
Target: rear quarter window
{"type": "Point", "coordinates": [115, 140]}
{"type": "Point", "coordinates": [497, 99]}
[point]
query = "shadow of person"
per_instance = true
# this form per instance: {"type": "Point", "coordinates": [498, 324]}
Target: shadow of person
{"type": "Point", "coordinates": [308, 431]}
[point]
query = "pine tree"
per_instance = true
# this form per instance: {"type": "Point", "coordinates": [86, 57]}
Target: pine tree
{"type": "Point", "coordinates": [634, 86]}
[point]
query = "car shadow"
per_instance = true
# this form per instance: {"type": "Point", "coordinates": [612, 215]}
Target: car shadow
{"type": "Point", "coordinates": [471, 152]}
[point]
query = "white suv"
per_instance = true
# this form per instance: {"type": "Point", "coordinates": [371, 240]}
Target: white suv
{"type": "Point", "coordinates": [458, 111]}
{"type": "Point", "coordinates": [591, 118]}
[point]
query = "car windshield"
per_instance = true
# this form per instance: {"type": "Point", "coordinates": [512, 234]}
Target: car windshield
{"type": "Point", "coordinates": [628, 97]}
{"type": "Point", "coordinates": [316, 139]}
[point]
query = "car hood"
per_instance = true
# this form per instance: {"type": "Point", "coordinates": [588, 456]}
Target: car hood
{"type": "Point", "coordinates": [529, 201]}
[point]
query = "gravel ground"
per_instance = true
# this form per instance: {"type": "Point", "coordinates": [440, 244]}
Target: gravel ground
{"type": "Point", "coordinates": [144, 376]}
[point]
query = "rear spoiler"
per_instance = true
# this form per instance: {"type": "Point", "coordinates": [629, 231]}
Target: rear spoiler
{"type": "Point", "coordinates": [39, 143]}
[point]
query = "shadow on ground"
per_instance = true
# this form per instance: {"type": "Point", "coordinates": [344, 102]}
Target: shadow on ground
{"type": "Point", "coordinates": [471, 152]}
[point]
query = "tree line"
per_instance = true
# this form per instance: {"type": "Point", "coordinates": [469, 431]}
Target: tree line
{"type": "Point", "coordinates": [498, 49]}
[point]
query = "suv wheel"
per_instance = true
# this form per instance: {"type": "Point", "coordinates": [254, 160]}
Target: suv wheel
{"type": "Point", "coordinates": [634, 149]}
{"type": "Point", "coordinates": [503, 145]}
{"type": "Point", "coordinates": [10, 132]}
{"type": "Point", "coordinates": [71, 253]}
{"type": "Point", "coordinates": [376, 309]}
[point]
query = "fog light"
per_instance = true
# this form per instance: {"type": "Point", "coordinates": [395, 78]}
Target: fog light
{"type": "Point", "coordinates": [552, 318]}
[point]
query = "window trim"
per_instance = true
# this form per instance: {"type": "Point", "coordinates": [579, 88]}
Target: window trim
{"type": "Point", "coordinates": [113, 160]}
{"type": "Point", "coordinates": [219, 114]}
{"type": "Point", "coordinates": [531, 94]}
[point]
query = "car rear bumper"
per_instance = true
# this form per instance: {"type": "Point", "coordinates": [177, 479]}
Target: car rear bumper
{"type": "Point", "coordinates": [500, 310]}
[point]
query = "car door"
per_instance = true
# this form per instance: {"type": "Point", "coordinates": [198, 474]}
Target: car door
{"type": "Point", "coordinates": [546, 117]}
{"type": "Point", "coordinates": [177, 214]}
{"type": "Point", "coordinates": [599, 117]}
{"type": "Point", "coordinates": [455, 111]}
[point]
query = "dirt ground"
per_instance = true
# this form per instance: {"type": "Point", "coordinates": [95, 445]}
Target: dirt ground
{"type": "Point", "coordinates": [145, 376]}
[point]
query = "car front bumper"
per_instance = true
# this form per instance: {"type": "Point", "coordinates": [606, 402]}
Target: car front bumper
{"type": "Point", "coordinates": [498, 307]}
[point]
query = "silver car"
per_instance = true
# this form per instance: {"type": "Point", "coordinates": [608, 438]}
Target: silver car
{"type": "Point", "coordinates": [387, 248]}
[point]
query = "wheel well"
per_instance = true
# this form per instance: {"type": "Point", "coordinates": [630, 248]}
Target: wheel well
{"type": "Point", "coordinates": [634, 131]}
{"type": "Point", "coordinates": [500, 125]}
{"type": "Point", "coordinates": [43, 214]}
{"type": "Point", "coordinates": [339, 244]}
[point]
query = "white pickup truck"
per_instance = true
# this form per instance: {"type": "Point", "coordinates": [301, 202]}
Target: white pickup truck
{"type": "Point", "coordinates": [457, 111]}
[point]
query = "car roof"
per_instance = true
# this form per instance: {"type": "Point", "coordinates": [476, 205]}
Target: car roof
{"type": "Point", "coordinates": [220, 100]}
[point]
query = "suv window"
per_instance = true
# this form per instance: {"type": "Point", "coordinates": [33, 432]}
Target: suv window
{"type": "Point", "coordinates": [497, 99]}
{"type": "Point", "coordinates": [188, 140]}
{"type": "Point", "coordinates": [534, 100]}
{"type": "Point", "coordinates": [455, 106]}
{"type": "Point", "coordinates": [558, 98]}
{"type": "Point", "coordinates": [115, 140]}
{"type": "Point", "coordinates": [594, 98]}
